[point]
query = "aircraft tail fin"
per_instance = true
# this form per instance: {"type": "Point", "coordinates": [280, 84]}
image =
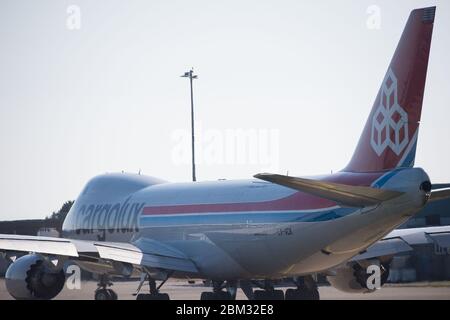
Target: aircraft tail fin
{"type": "Point", "coordinates": [389, 139]}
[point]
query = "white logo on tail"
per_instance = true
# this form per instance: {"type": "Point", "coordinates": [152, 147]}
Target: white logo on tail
{"type": "Point", "coordinates": [390, 121]}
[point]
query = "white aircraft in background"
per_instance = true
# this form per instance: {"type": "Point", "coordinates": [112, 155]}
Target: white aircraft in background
{"type": "Point", "coordinates": [249, 233]}
{"type": "Point", "coordinates": [352, 276]}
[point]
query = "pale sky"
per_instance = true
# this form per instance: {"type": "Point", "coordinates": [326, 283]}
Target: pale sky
{"type": "Point", "coordinates": [300, 76]}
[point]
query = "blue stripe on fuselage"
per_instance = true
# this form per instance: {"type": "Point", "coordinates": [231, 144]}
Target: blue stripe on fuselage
{"type": "Point", "coordinates": [385, 178]}
{"type": "Point", "coordinates": [245, 217]}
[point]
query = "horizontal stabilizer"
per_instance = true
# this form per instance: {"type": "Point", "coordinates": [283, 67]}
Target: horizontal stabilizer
{"type": "Point", "coordinates": [353, 196]}
{"type": "Point", "coordinates": [436, 186]}
{"type": "Point", "coordinates": [439, 195]}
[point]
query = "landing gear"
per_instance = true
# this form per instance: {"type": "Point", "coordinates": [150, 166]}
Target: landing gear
{"type": "Point", "coordinates": [154, 290]}
{"type": "Point", "coordinates": [222, 295]}
{"type": "Point", "coordinates": [102, 292]}
{"type": "Point", "coordinates": [105, 294]}
{"type": "Point", "coordinates": [306, 290]}
{"type": "Point", "coordinates": [219, 293]}
{"type": "Point", "coordinates": [268, 292]}
{"type": "Point", "coordinates": [269, 295]}
{"type": "Point", "coordinates": [154, 296]}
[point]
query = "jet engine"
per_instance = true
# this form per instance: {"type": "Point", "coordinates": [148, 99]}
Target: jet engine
{"type": "Point", "coordinates": [353, 277]}
{"type": "Point", "coordinates": [34, 277]}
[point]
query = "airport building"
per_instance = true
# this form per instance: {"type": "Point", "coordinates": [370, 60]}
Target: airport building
{"type": "Point", "coordinates": [428, 262]}
{"type": "Point", "coordinates": [434, 214]}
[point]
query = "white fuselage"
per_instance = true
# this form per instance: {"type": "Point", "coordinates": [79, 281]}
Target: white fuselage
{"type": "Point", "coordinates": [247, 228]}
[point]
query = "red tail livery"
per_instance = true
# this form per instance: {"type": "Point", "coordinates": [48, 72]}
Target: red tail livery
{"type": "Point", "coordinates": [389, 138]}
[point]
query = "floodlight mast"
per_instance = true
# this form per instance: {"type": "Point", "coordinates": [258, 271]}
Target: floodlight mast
{"type": "Point", "coordinates": [190, 74]}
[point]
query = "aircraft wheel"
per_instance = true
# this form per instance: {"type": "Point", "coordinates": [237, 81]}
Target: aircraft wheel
{"type": "Point", "coordinates": [163, 296]}
{"type": "Point", "coordinates": [112, 294]}
{"type": "Point", "coordinates": [142, 296]}
{"type": "Point", "coordinates": [277, 295]}
{"type": "Point", "coordinates": [206, 295]}
{"type": "Point", "coordinates": [269, 295]}
{"type": "Point", "coordinates": [261, 295]}
{"type": "Point", "coordinates": [296, 294]}
{"type": "Point", "coordinates": [291, 294]}
{"type": "Point", "coordinates": [315, 295]}
{"type": "Point", "coordinates": [220, 295]}
{"type": "Point", "coordinates": [105, 294]}
{"type": "Point", "coordinates": [157, 296]}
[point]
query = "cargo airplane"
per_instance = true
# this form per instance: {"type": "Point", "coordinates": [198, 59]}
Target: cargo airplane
{"type": "Point", "coordinates": [248, 234]}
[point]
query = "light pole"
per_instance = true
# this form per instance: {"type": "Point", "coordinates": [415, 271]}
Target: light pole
{"type": "Point", "coordinates": [190, 74]}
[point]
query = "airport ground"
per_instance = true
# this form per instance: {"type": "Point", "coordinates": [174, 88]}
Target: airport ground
{"type": "Point", "coordinates": [181, 290]}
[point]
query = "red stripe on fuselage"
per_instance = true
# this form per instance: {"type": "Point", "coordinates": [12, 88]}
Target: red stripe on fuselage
{"type": "Point", "coordinates": [296, 201]}
{"type": "Point", "coordinates": [289, 203]}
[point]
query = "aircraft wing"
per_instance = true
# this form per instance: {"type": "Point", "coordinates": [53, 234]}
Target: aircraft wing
{"type": "Point", "coordinates": [144, 252]}
{"type": "Point", "coordinates": [402, 240]}
{"type": "Point", "coordinates": [354, 196]}
{"type": "Point", "coordinates": [149, 253]}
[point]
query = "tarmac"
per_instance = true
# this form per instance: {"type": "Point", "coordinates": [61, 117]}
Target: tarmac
{"type": "Point", "coordinates": [182, 290]}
